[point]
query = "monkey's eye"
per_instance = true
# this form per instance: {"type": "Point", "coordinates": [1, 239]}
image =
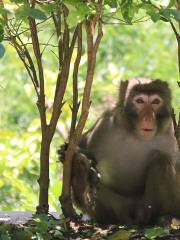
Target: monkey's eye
{"type": "Point", "coordinates": [140, 100]}
{"type": "Point", "coordinates": [156, 101]}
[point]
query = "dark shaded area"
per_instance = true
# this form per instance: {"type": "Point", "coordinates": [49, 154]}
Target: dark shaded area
{"type": "Point", "coordinates": [48, 227]}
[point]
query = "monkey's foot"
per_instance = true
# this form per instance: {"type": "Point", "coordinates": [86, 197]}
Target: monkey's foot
{"type": "Point", "coordinates": [67, 209]}
{"type": "Point", "coordinates": [144, 214]}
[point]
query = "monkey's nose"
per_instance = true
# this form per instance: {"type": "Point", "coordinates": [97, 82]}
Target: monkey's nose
{"type": "Point", "coordinates": [149, 116]}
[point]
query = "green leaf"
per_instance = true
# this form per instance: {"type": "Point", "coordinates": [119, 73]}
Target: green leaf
{"type": "Point", "coordinates": [125, 6]}
{"type": "Point", "coordinates": [120, 235]}
{"type": "Point", "coordinates": [37, 14]}
{"type": "Point", "coordinates": [172, 3]}
{"type": "Point", "coordinates": [148, 7]}
{"type": "Point", "coordinates": [25, 11]}
{"type": "Point", "coordinates": [128, 9]}
{"type": "Point", "coordinates": [1, 33]}
{"type": "Point", "coordinates": [111, 3]}
{"type": "Point", "coordinates": [2, 50]}
{"type": "Point", "coordinates": [155, 16]}
{"type": "Point", "coordinates": [77, 13]}
{"type": "Point", "coordinates": [170, 13]}
{"type": "Point", "coordinates": [153, 233]}
{"type": "Point", "coordinates": [18, 1]}
{"type": "Point", "coordinates": [48, 8]}
{"type": "Point", "coordinates": [4, 10]}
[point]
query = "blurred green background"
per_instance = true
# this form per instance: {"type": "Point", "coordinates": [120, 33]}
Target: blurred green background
{"type": "Point", "coordinates": [144, 49]}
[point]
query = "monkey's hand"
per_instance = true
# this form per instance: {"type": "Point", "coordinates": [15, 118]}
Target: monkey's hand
{"type": "Point", "coordinates": [94, 176]}
{"type": "Point", "coordinates": [61, 152]}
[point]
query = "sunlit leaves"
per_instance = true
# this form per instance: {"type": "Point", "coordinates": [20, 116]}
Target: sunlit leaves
{"type": "Point", "coordinates": [4, 10]}
{"type": "Point", "coordinates": [164, 14]}
{"type": "Point", "coordinates": [49, 8]}
{"type": "Point", "coordinates": [126, 9]}
{"type": "Point", "coordinates": [3, 16]}
{"type": "Point", "coordinates": [172, 3]}
{"type": "Point", "coordinates": [130, 9]}
{"type": "Point", "coordinates": [19, 1]}
{"type": "Point", "coordinates": [111, 3]}
{"type": "Point", "coordinates": [78, 10]}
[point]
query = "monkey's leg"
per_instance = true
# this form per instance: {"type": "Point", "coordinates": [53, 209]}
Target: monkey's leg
{"type": "Point", "coordinates": [92, 197]}
{"type": "Point", "coordinates": [159, 192]}
{"type": "Point", "coordinates": [84, 182]}
{"type": "Point", "coordinates": [113, 208]}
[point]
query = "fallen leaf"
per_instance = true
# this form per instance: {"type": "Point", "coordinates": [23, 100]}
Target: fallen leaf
{"type": "Point", "coordinates": [120, 235]}
{"type": "Point", "coordinates": [175, 224]}
{"type": "Point", "coordinates": [152, 233]}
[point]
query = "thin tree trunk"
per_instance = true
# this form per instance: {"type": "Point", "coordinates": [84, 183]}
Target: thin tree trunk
{"type": "Point", "coordinates": [177, 34]}
{"type": "Point", "coordinates": [92, 47]}
{"type": "Point", "coordinates": [44, 174]}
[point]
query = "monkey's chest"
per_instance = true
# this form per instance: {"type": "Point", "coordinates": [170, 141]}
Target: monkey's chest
{"type": "Point", "coordinates": [122, 167]}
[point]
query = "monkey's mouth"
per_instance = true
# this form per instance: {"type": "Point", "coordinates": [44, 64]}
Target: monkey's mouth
{"type": "Point", "coordinates": [147, 133]}
{"type": "Point", "coordinates": [147, 129]}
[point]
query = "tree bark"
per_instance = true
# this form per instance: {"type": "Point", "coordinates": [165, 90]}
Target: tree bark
{"type": "Point", "coordinates": [43, 180]}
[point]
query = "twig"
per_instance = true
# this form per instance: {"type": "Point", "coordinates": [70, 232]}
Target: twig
{"type": "Point", "coordinates": [115, 18]}
{"type": "Point", "coordinates": [28, 29]}
{"type": "Point", "coordinates": [21, 53]}
{"type": "Point", "coordinates": [42, 44]}
{"type": "Point", "coordinates": [31, 63]}
{"type": "Point", "coordinates": [57, 24]}
{"type": "Point", "coordinates": [176, 128]}
{"type": "Point", "coordinates": [75, 81]}
{"type": "Point", "coordinates": [175, 31]}
{"type": "Point", "coordinates": [47, 44]}
{"type": "Point", "coordinates": [24, 54]}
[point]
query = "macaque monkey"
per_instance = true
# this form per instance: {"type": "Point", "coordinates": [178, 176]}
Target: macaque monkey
{"type": "Point", "coordinates": [125, 169]}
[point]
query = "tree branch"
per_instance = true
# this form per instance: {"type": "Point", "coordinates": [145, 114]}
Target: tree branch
{"type": "Point", "coordinates": [73, 141]}
{"type": "Point", "coordinates": [62, 79]}
{"type": "Point", "coordinates": [21, 54]}
{"type": "Point", "coordinates": [76, 104]}
{"type": "Point", "coordinates": [46, 44]}
{"type": "Point", "coordinates": [24, 54]}
{"type": "Point", "coordinates": [37, 53]}
{"type": "Point", "coordinates": [31, 63]}
{"type": "Point", "coordinates": [57, 24]}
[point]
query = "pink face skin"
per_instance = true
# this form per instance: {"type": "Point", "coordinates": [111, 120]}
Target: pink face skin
{"type": "Point", "coordinates": [147, 106]}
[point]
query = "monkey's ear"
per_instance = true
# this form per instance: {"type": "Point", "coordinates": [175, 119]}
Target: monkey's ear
{"type": "Point", "coordinates": [163, 88]}
{"type": "Point", "coordinates": [122, 93]}
{"type": "Point", "coordinates": [161, 83]}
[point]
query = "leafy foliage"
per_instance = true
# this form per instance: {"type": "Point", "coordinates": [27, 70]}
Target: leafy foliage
{"type": "Point", "coordinates": [47, 228]}
{"type": "Point", "coordinates": [19, 170]}
{"type": "Point", "coordinates": [25, 11]}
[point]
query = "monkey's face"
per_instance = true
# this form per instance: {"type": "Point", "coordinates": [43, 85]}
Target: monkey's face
{"type": "Point", "coordinates": [146, 109]}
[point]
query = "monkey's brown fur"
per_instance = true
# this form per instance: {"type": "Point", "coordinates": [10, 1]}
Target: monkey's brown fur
{"type": "Point", "coordinates": [138, 180]}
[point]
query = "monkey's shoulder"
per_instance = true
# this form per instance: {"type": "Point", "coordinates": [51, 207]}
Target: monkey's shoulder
{"type": "Point", "coordinates": [96, 132]}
